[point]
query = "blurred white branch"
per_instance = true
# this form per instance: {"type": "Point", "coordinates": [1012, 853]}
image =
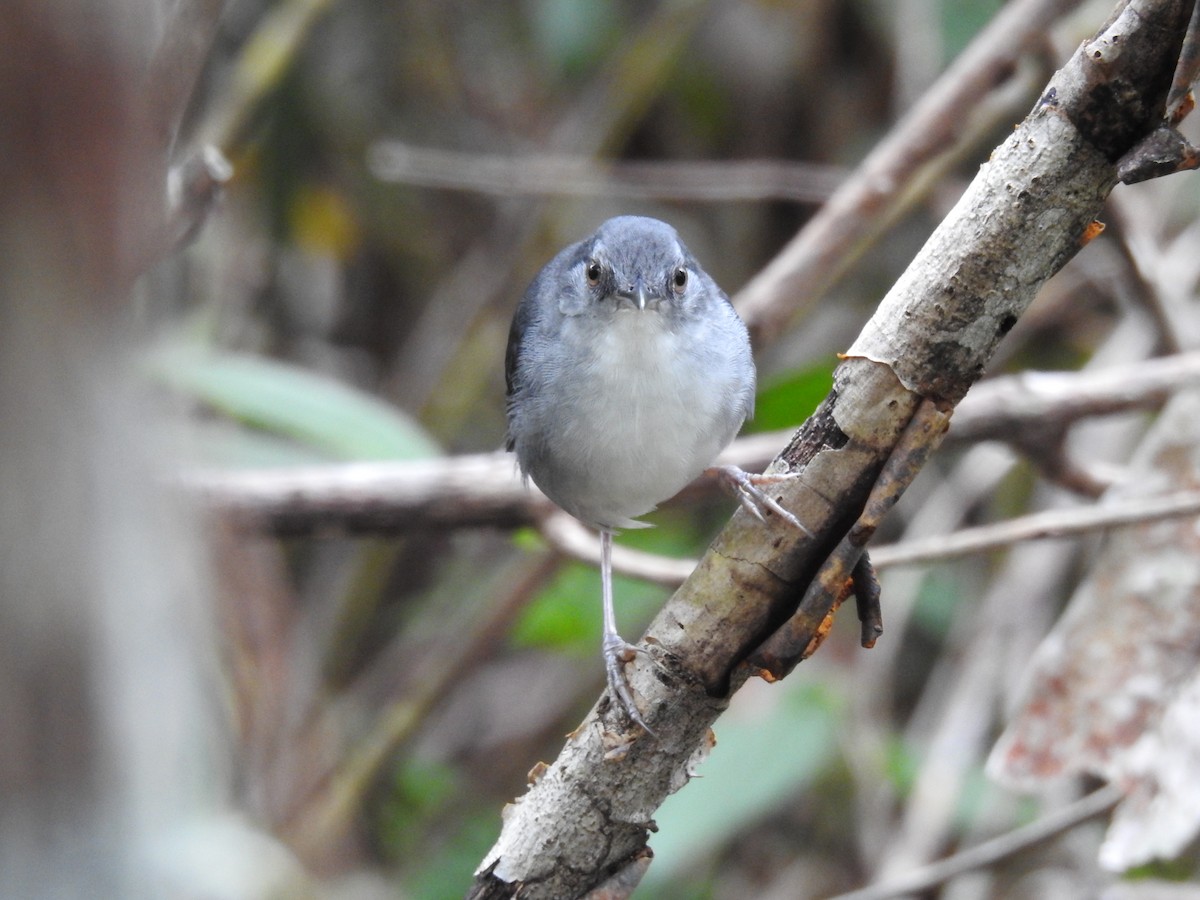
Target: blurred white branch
{"type": "Point", "coordinates": [484, 489]}
{"type": "Point", "coordinates": [569, 537]}
{"type": "Point", "coordinates": [538, 174]}
{"type": "Point", "coordinates": [991, 852]}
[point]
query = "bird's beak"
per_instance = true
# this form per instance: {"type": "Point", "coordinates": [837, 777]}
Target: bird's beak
{"type": "Point", "coordinates": [637, 295]}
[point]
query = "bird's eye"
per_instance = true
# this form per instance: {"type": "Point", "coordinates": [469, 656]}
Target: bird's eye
{"type": "Point", "coordinates": [679, 280]}
{"type": "Point", "coordinates": [593, 272]}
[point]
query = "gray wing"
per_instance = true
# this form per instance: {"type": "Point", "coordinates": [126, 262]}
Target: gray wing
{"type": "Point", "coordinates": [522, 320]}
{"type": "Point", "coordinates": [530, 311]}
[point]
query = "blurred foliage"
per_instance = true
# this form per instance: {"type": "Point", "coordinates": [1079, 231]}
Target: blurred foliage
{"type": "Point", "coordinates": [347, 318]}
{"type": "Point", "coordinates": [786, 746]}
{"type": "Point", "coordinates": [959, 22]}
{"type": "Point", "coordinates": [563, 613]}
{"type": "Point", "coordinates": [286, 400]}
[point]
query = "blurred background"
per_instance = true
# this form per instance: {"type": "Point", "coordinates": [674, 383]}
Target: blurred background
{"type": "Point", "coordinates": [366, 704]}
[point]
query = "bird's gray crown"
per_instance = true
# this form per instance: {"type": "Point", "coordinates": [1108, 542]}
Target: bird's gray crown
{"type": "Point", "coordinates": [637, 244]}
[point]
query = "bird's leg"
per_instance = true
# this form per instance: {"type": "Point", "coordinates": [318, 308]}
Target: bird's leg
{"type": "Point", "coordinates": [753, 499]}
{"type": "Point", "coordinates": [617, 651]}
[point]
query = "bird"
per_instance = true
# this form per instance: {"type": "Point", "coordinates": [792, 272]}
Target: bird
{"type": "Point", "coordinates": [627, 372]}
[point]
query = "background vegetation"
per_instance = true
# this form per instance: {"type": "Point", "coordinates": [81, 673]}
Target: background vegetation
{"type": "Point", "coordinates": [400, 171]}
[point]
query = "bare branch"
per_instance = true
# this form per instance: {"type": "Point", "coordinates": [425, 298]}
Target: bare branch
{"type": "Point", "coordinates": [383, 497]}
{"type": "Point", "coordinates": [461, 491]}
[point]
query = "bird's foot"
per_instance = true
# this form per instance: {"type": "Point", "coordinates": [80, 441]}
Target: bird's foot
{"type": "Point", "coordinates": [753, 499]}
{"type": "Point", "coordinates": [617, 652]}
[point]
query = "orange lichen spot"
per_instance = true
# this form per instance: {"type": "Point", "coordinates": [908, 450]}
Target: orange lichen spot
{"type": "Point", "coordinates": [822, 632]}
{"type": "Point", "coordinates": [846, 590]}
{"type": "Point", "coordinates": [1092, 232]}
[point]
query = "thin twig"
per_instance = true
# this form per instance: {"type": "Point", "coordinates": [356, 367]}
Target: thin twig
{"type": "Point", "coordinates": [566, 535]}
{"type": "Point", "coordinates": [1052, 523]}
{"type": "Point", "coordinates": [179, 60]}
{"type": "Point", "coordinates": [569, 537]}
{"type": "Point", "coordinates": [546, 175]}
{"type": "Point", "coordinates": [991, 852]}
{"type": "Point", "coordinates": [193, 189]}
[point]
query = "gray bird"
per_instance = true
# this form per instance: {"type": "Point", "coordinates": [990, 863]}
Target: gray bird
{"type": "Point", "coordinates": [628, 371]}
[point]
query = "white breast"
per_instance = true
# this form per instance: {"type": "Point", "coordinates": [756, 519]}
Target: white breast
{"type": "Point", "coordinates": [646, 411]}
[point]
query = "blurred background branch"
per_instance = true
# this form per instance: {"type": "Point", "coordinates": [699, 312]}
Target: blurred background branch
{"type": "Point", "coordinates": [735, 180]}
{"type": "Point", "coordinates": [484, 489]}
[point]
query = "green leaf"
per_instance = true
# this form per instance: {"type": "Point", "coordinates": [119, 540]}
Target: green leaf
{"type": "Point", "coordinates": [278, 398]}
{"type": "Point", "coordinates": [572, 36]}
{"type": "Point", "coordinates": [961, 21]}
{"type": "Point", "coordinates": [765, 754]}
{"type": "Point", "coordinates": [444, 872]}
{"type": "Point", "coordinates": [433, 830]}
{"type": "Point", "coordinates": [900, 765]}
{"type": "Point", "coordinates": [419, 791]}
{"type": "Point", "coordinates": [224, 443]}
{"type": "Point", "coordinates": [785, 402]}
{"type": "Point", "coordinates": [939, 600]}
{"type": "Point", "coordinates": [567, 613]}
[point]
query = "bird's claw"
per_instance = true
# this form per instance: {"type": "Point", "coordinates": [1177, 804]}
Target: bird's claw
{"type": "Point", "coordinates": [753, 499]}
{"type": "Point", "coordinates": [617, 652]}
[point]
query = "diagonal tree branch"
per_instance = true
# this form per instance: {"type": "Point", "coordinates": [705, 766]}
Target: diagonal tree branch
{"type": "Point", "coordinates": [1028, 211]}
